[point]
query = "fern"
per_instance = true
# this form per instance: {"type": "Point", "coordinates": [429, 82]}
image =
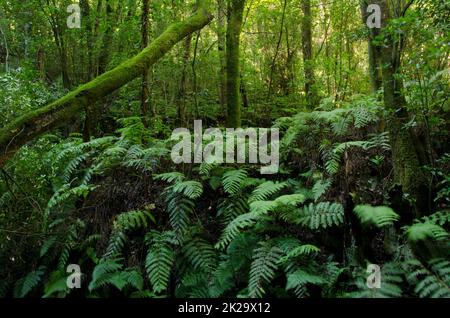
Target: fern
{"type": "Point", "coordinates": [379, 216]}
{"type": "Point", "coordinates": [322, 215]}
{"type": "Point", "coordinates": [191, 189]}
{"type": "Point", "coordinates": [233, 180]}
{"type": "Point", "coordinates": [265, 263]}
{"type": "Point", "coordinates": [179, 209]}
{"type": "Point", "coordinates": [25, 285]}
{"type": "Point", "coordinates": [299, 279]}
{"type": "Point", "coordinates": [160, 259]}
{"type": "Point", "coordinates": [235, 227]}
{"type": "Point", "coordinates": [170, 177]}
{"type": "Point", "coordinates": [104, 271]}
{"type": "Point", "coordinates": [265, 190]}
{"type": "Point", "coordinates": [432, 280]}
{"type": "Point", "coordinates": [133, 220]}
{"type": "Point", "coordinates": [391, 282]}
{"type": "Point", "coordinates": [200, 254]}
{"type": "Point", "coordinates": [424, 231]}
{"type": "Point", "coordinates": [320, 188]}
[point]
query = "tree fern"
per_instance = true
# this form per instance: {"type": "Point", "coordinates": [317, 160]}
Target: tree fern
{"type": "Point", "coordinates": [379, 216]}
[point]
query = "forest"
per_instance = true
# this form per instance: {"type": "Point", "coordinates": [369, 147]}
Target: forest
{"type": "Point", "coordinates": [119, 177]}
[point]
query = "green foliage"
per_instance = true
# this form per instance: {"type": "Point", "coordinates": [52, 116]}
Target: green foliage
{"type": "Point", "coordinates": [321, 215]}
{"type": "Point", "coordinates": [160, 259]}
{"type": "Point", "coordinates": [379, 216]}
{"type": "Point", "coordinates": [25, 285]}
{"type": "Point", "coordinates": [233, 180]}
{"type": "Point", "coordinates": [431, 280]}
{"type": "Point", "coordinates": [263, 269]}
{"type": "Point", "coordinates": [425, 231]}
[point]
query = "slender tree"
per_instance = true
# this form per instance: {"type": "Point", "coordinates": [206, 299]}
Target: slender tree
{"type": "Point", "coordinates": [310, 89]}
{"type": "Point", "coordinates": [145, 94]}
{"type": "Point", "coordinates": [235, 17]}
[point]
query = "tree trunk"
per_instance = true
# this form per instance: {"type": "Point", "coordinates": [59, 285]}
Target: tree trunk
{"type": "Point", "coordinates": [310, 90]}
{"type": "Point", "coordinates": [221, 40]}
{"type": "Point", "coordinates": [107, 39]}
{"type": "Point", "coordinates": [376, 80]}
{"type": "Point", "coordinates": [181, 111]}
{"type": "Point", "coordinates": [145, 96]}
{"type": "Point", "coordinates": [407, 149]}
{"type": "Point", "coordinates": [235, 16]}
{"type": "Point", "coordinates": [34, 123]}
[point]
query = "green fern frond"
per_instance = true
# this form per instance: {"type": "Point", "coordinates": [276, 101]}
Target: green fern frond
{"type": "Point", "coordinates": [25, 285]}
{"type": "Point", "coordinates": [379, 216]}
{"type": "Point", "coordinates": [103, 272]}
{"type": "Point", "coordinates": [235, 227]}
{"type": "Point", "coordinates": [300, 278]}
{"type": "Point", "coordinates": [320, 188]}
{"type": "Point", "coordinates": [170, 177]}
{"type": "Point", "coordinates": [432, 280]}
{"type": "Point", "coordinates": [264, 266]}
{"type": "Point", "coordinates": [266, 190]}
{"type": "Point", "coordinates": [132, 220]}
{"type": "Point", "coordinates": [191, 189]}
{"type": "Point", "coordinates": [160, 259]}
{"type": "Point", "coordinates": [200, 253]}
{"type": "Point", "coordinates": [322, 215]}
{"type": "Point", "coordinates": [233, 180]}
{"type": "Point", "coordinates": [179, 208]}
{"type": "Point", "coordinates": [424, 231]}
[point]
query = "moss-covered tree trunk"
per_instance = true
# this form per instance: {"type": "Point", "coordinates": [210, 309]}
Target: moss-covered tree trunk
{"type": "Point", "coordinates": [235, 16]}
{"type": "Point", "coordinates": [376, 80]}
{"type": "Point", "coordinates": [34, 123]}
{"type": "Point", "coordinates": [407, 150]}
{"type": "Point", "coordinates": [221, 45]}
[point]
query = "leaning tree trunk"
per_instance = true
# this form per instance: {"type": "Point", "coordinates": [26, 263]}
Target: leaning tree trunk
{"type": "Point", "coordinates": [235, 16]}
{"type": "Point", "coordinates": [34, 123]}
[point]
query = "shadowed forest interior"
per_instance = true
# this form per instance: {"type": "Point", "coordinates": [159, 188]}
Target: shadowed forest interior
{"type": "Point", "coordinates": [91, 91]}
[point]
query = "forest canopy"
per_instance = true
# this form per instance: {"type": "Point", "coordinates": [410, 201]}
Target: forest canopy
{"type": "Point", "coordinates": [136, 136]}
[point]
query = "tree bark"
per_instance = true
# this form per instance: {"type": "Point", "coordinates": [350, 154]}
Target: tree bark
{"type": "Point", "coordinates": [145, 94]}
{"type": "Point", "coordinates": [407, 149]}
{"type": "Point", "coordinates": [34, 123]}
{"type": "Point", "coordinates": [310, 90]}
{"type": "Point", "coordinates": [374, 53]}
{"type": "Point", "coordinates": [235, 17]}
{"type": "Point", "coordinates": [221, 44]}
